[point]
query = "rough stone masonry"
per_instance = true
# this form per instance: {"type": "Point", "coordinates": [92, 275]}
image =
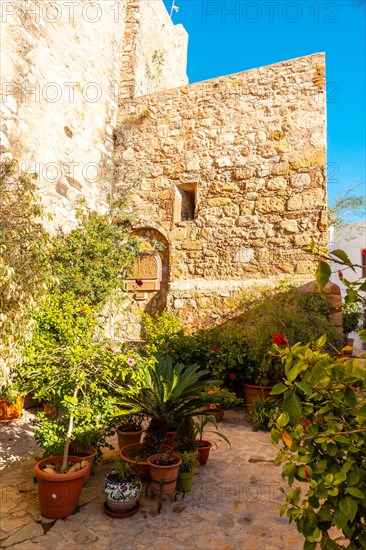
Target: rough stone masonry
{"type": "Point", "coordinates": [228, 174]}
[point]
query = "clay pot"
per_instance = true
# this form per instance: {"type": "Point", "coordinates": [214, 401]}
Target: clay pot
{"type": "Point", "coordinates": [252, 391]}
{"type": "Point", "coordinates": [59, 493]}
{"type": "Point", "coordinates": [204, 448]}
{"type": "Point", "coordinates": [170, 439]}
{"type": "Point", "coordinates": [10, 411]}
{"type": "Point", "coordinates": [128, 438]}
{"type": "Point", "coordinates": [142, 467]}
{"type": "Point", "coordinates": [167, 474]}
{"type": "Point", "coordinates": [50, 410]}
{"type": "Point", "coordinates": [219, 415]}
{"type": "Point", "coordinates": [89, 454]}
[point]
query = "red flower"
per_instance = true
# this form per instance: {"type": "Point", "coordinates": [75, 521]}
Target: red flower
{"type": "Point", "coordinates": [232, 376]}
{"type": "Point", "coordinates": [139, 282]}
{"type": "Point", "coordinates": [215, 350]}
{"type": "Point", "coordinates": [279, 339]}
{"type": "Point", "coordinates": [340, 274]}
{"type": "Point", "coordinates": [363, 251]}
{"type": "Point", "coordinates": [212, 406]}
{"type": "Point", "coordinates": [306, 473]}
{"type": "Point", "coordinates": [81, 310]}
{"type": "Point", "coordinates": [210, 392]}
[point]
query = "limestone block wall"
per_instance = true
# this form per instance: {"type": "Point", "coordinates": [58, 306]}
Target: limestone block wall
{"type": "Point", "coordinates": [63, 71]}
{"type": "Point", "coordinates": [59, 69]}
{"type": "Point", "coordinates": [250, 149]}
{"type": "Point", "coordinates": [155, 51]}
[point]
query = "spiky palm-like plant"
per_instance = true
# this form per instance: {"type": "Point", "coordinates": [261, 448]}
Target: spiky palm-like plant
{"type": "Point", "coordinates": [169, 394]}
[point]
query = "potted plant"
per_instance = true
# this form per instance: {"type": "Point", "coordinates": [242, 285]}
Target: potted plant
{"type": "Point", "coordinates": [262, 411]}
{"type": "Point", "coordinates": [164, 471]}
{"type": "Point", "coordinates": [63, 358]}
{"type": "Point", "coordinates": [351, 315]}
{"type": "Point", "coordinates": [228, 400]}
{"type": "Point", "coordinates": [186, 472]}
{"type": "Point", "coordinates": [168, 392]}
{"type": "Point", "coordinates": [129, 430]}
{"type": "Point", "coordinates": [11, 403]}
{"type": "Point", "coordinates": [122, 489]}
{"type": "Point", "coordinates": [269, 312]}
{"type": "Point", "coordinates": [204, 446]}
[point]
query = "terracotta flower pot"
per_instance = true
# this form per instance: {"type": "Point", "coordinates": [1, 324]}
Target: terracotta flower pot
{"type": "Point", "coordinates": [89, 454]}
{"type": "Point", "coordinates": [204, 448]}
{"type": "Point", "coordinates": [10, 411]}
{"type": "Point", "coordinates": [128, 438]}
{"type": "Point", "coordinates": [170, 439]}
{"type": "Point", "coordinates": [59, 493]}
{"type": "Point", "coordinates": [142, 467]}
{"type": "Point", "coordinates": [252, 391]}
{"type": "Point", "coordinates": [50, 410]}
{"type": "Point", "coordinates": [167, 474]}
{"type": "Point", "coordinates": [219, 415]}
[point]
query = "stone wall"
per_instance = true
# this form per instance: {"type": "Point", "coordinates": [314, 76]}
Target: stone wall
{"type": "Point", "coordinates": [155, 51]}
{"type": "Point", "coordinates": [249, 150]}
{"type": "Point", "coordinates": [62, 74]}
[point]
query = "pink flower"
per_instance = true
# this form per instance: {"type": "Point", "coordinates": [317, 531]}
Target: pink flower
{"type": "Point", "coordinates": [279, 339]}
{"type": "Point", "coordinates": [130, 361]}
{"type": "Point", "coordinates": [232, 376]}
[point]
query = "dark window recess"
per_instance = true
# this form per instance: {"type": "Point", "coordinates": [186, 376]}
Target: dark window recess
{"type": "Point", "coordinates": [188, 205]}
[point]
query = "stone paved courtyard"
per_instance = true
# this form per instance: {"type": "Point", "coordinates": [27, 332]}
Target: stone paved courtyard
{"type": "Point", "coordinates": [233, 505]}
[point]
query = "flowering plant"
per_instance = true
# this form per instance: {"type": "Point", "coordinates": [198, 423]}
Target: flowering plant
{"type": "Point", "coordinates": [167, 459]}
{"type": "Point", "coordinates": [227, 399]}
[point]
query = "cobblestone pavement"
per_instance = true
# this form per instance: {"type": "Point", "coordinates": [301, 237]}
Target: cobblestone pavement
{"type": "Point", "coordinates": [233, 505]}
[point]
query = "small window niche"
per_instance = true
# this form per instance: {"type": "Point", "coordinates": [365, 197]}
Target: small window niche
{"type": "Point", "coordinates": [185, 202]}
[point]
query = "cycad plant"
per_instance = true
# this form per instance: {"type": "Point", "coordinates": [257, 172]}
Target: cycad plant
{"type": "Point", "coordinates": [169, 393]}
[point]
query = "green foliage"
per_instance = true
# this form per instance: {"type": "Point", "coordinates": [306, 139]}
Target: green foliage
{"type": "Point", "coordinates": [93, 259]}
{"type": "Point", "coordinates": [355, 290]}
{"type": "Point", "coordinates": [351, 316]}
{"type": "Point", "coordinates": [130, 423]}
{"type": "Point", "coordinates": [185, 436]}
{"type": "Point", "coordinates": [160, 332]}
{"type": "Point", "coordinates": [23, 259]}
{"type": "Point", "coordinates": [201, 424]}
{"type": "Point", "coordinates": [220, 349]}
{"type": "Point", "coordinates": [64, 365]}
{"type": "Point", "coordinates": [123, 472]}
{"type": "Point", "coordinates": [189, 463]}
{"type": "Point", "coordinates": [168, 393]}
{"type": "Point", "coordinates": [301, 317]}
{"type": "Point", "coordinates": [262, 411]}
{"type": "Point", "coordinates": [323, 434]}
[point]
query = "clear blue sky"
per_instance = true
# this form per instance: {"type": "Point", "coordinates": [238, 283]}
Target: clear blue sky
{"type": "Point", "coordinates": [268, 31]}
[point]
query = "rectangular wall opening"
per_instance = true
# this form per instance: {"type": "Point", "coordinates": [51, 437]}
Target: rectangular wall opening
{"type": "Point", "coordinates": [185, 202]}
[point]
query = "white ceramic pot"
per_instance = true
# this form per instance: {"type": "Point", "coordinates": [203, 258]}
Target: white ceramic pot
{"type": "Point", "coordinates": [121, 495]}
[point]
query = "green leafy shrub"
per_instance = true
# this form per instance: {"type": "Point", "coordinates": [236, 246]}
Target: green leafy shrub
{"type": "Point", "coordinates": [93, 259]}
{"type": "Point", "coordinates": [351, 316]}
{"type": "Point", "coordinates": [262, 411]}
{"type": "Point", "coordinates": [301, 317]}
{"type": "Point", "coordinates": [24, 261]}
{"type": "Point", "coordinates": [323, 434]}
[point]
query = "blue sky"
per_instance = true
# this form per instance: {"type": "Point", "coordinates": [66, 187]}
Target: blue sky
{"type": "Point", "coordinates": [233, 36]}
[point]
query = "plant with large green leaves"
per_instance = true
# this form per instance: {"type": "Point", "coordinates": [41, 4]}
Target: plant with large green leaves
{"type": "Point", "coordinates": [169, 392]}
{"type": "Point", "coordinates": [323, 433]}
